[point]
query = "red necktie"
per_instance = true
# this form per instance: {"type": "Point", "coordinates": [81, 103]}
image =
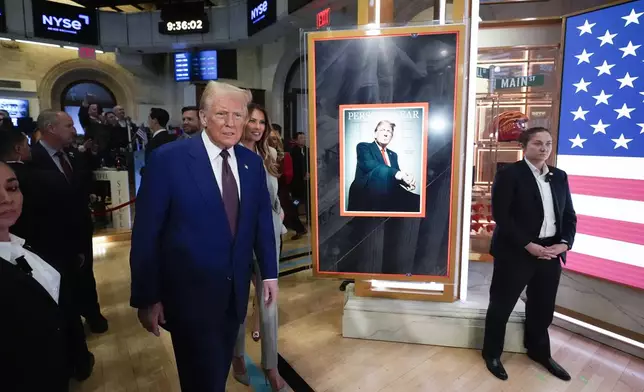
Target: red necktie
{"type": "Point", "coordinates": [384, 156]}
{"type": "Point", "coordinates": [64, 163]}
{"type": "Point", "coordinates": [229, 192]}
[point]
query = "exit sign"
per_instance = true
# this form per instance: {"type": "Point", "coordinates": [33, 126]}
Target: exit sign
{"type": "Point", "coordinates": [519, 81]}
{"type": "Point", "coordinates": [323, 18]}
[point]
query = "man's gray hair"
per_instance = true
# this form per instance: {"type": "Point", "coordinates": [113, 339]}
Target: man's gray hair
{"type": "Point", "coordinates": [219, 89]}
{"type": "Point", "coordinates": [46, 118]}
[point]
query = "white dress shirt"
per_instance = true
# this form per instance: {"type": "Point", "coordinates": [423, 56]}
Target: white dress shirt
{"type": "Point", "coordinates": [549, 224]}
{"type": "Point", "coordinates": [216, 161]}
{"type": "Point", "coordinates": [42, 272]}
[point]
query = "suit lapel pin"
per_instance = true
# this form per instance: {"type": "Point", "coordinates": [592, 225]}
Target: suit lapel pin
{"type": "Point", "coordinates": [245, 166]}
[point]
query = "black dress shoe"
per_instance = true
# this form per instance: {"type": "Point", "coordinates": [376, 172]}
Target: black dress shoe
{"type": "Point", "coordinates": [97, 324]}
{"type": "Point", "coordinates": [495, 367]}
{"type": "Point", "coordinates": [84, 370]}
{"type": "Point", "coordinates": [553, 367]}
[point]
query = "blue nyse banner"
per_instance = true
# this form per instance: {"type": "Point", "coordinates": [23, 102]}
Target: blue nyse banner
{"type": "Point", "coordinates": [64, 22]}
{"type": "Point", "coordinates": [260, 15]}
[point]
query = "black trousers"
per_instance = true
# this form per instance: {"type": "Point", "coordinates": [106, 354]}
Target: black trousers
{"type": "Point", "coordinates": [510, 277]}
{"type": "Point", "coordinates": [78, 352]}
{"type": "Point", "coordinates": [291, 218]}
{"type": "Point", "coordinates": [87, 295]}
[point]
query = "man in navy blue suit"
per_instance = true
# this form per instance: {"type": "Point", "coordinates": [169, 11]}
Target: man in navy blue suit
{"type": "Point", "coordinates": [201, 211]}
{"type": "Point", "coordinates": [379, 184]}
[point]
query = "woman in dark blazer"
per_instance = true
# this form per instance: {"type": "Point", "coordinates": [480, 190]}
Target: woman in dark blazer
{"type": "Point", "coordinates": [535, 226]}
{"type": "Point", "coordinates": [33, 328]}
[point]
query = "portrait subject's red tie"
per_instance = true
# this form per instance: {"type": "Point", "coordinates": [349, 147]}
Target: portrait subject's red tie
{"type": "Point", "coordinates": [384, 156]}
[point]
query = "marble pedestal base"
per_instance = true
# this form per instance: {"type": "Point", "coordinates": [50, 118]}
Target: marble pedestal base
{"type": "Point", "coordinates": [458, 324]}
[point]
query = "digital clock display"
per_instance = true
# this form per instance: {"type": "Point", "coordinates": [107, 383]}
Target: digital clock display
{"type": "Point", "coordinates": [192, 26]}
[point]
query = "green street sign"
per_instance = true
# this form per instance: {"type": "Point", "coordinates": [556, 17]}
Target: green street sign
{"type": "Point", "coordinates": [483, 73]}
{"type": "Point", "coordinates": [519, 81]}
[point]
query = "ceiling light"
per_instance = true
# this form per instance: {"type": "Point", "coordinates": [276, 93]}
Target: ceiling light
{"type": "Point", "coordinates": [37, 43]}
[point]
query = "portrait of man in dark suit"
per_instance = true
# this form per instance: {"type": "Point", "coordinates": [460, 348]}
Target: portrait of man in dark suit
{"type": "Point", "coordinates": [381, 183]}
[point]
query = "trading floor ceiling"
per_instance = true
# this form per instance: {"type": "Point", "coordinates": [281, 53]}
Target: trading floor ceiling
{"type": "Point", "coordinates": [129, 5]}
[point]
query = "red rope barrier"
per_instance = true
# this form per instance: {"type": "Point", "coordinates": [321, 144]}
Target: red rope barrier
{"type": "Point", "coordinates": [118, 207]}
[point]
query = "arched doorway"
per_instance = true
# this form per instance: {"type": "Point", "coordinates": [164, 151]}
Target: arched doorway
{"type": "Point", "coordinates": [73, 95]}
{"type": "Point", "coordinates": [295, 102]}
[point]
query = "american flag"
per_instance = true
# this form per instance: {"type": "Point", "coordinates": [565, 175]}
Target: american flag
{"type": "Point", "coordinates": [601, 140]}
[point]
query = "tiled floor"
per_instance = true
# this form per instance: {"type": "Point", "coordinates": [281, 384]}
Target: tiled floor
{"type": "Point", "coordinates": [310, 310]}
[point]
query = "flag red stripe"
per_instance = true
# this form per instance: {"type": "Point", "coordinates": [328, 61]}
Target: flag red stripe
{"type": "Point", "coordinates": [626, 274]}
{"type": "Point", "coordinates": [611, 229]}
{"type": "Point", "coordinates": [615, 188]}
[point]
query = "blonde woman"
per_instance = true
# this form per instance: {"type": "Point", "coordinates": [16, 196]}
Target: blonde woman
{"type": "Point", "coordinates": [255, 138]}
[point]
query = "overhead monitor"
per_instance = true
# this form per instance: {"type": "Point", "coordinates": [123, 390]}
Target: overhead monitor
{"type": "Point", "coordinates": [64, 22]}
{"type": "Point", "coordinates": [260, 14]}
{"type": "Point", "coordinates": [184, 18]}
{"type": "Point", "coordinates": [17, 108]}
{"type": "Point", "coordinates": [195, 66]}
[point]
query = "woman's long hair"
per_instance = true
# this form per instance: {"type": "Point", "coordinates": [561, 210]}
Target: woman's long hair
{"type": "Point", "coordinates": [272, 167]}
{"type": "Point", "coordinates": [275, 141]}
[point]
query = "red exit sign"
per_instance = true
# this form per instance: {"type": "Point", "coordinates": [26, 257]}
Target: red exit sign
{"type": "Point", "coordinates": [324, 18]}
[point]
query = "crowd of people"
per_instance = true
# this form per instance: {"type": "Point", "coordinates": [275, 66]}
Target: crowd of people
{"type": "Point", "coordinates": [46, 228]}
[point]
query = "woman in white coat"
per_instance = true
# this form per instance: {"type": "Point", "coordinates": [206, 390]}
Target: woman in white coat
{"type": "Point", "coordinates": [255, 138]}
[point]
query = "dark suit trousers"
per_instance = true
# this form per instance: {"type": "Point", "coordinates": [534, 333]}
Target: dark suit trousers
{"type": "Point", "coordinates": [291, 216]}
{"type": "Point", "coordinates": [509, 279]}
{"type": "Point", "coordinates": [76, 342]}
{"type": "Point", "coordinates": [204, 354]}
{"type": "Point", "coordinates": [86, 287]}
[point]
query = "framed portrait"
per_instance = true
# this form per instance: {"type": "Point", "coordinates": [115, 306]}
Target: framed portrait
{"type": "Point", "coordinates": [383, 150]}
{"type": "Point", "coordinates": [385, 130]}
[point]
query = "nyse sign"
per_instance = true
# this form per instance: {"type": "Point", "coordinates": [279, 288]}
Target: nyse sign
{"type": "Point", "coordinates": [64, 25]}
{"type": "Point", "coordinates": [258, 13]}
{"type": "Point", "coordinates": [261, 14]}
{"type": "Point", "coordinates": [64, 22]}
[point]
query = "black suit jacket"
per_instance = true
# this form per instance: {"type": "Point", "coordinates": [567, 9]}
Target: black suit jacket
{"type": "Point", "coordinates": [60, 224]}
{"type": "Point", "coordinates": [375, 187]}
{"type": "Point", "coordinates": [300, 157]}
{"type": "Point", "coordinates": [517, 209]}
{"type": "Point", "coordinates": [32, 335]}
{"type": "Point", "coordinates": [157, 141]}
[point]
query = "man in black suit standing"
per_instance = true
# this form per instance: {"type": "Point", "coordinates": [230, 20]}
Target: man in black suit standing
{"type": "Point", "coordinates": [379, 184]}
{"type": "Point", "coordinates": [157, 121]}
{"type": "Point", "coordinates": [535, 226]}
{"type": "Point", "coordinates": [300, 183]}
{"type": "Point", "coordinates": [62, 230]}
